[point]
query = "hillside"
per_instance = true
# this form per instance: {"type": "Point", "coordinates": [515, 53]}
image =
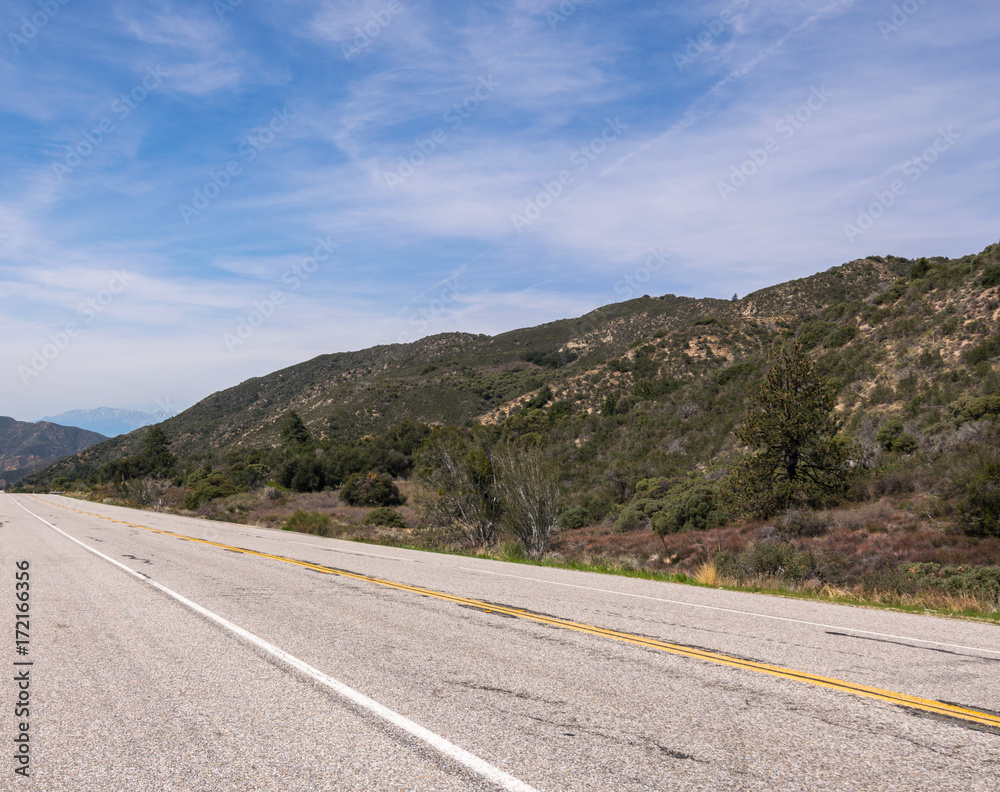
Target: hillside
{"type": "Point", "coordinates": [651, 386]}
{"type": "Point", "coordinates": [453, 377]}
{"type": "Point", "coordinates": [27, 447]}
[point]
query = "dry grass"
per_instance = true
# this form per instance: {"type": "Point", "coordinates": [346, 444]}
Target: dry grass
{"type": "Point", "coordinates": [935, 600]}
{"type": "Point", "coordinates": [708, 575]}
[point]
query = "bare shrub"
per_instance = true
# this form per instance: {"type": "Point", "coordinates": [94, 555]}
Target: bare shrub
{"type": "Point", "coordinates": [798, 523]}
{"type": "Point", "coordinates": [529, 493]}
{"type": "Point", "coordinates": [143, 491]}
{"type": "Point", "coordinates": [460, 475]}
{"type": "Point", "coordinates": [895, 481]}
{"type": "Point", "coordinates": [768, 533]}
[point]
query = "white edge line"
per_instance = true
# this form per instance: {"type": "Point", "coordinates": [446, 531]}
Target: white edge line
{"type": "Point", "coordinates": [452, 751]}
{"type": "Point", "coordinates": [640, 596]}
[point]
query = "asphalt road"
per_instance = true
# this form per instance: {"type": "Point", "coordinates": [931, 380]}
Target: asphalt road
{"type": "Point", "coordinates": [206, 668]}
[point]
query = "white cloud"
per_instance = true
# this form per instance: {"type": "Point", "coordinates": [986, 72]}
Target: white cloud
{"type": "Point", "coordinates": [194, 49]}
{"type": "Point", "coordinates": [655, 187]}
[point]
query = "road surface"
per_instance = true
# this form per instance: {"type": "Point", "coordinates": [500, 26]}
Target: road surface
{"type": "Point", "coordinates": [170, 653]}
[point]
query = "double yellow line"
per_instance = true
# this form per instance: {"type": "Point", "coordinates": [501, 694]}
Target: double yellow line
{"type": "Point", "coordinates": [978, 717]}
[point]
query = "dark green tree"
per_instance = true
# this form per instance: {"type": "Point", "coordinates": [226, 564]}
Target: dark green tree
{"type": "Point", "coordinates": [302, 473]}
{"type": "Point", "coordinates": [156, 457]}
{"type": "Point", "coordinates": [979, 507]}
{"type": "Point", "coordinates": [293, 430]}
{"type": "Point", "coordinates": [797, 455]}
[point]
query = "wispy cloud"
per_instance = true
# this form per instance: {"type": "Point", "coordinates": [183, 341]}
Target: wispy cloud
{"type": "Point", "coordinates": [402, 158]}
{"type": "Point", "coordinates": [199, 54]}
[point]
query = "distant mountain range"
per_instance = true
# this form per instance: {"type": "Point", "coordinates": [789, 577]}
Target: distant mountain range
{"type": "Point", "coordinates": [108, 421]}
{"type": "Point", "coordinates": [27, 447]}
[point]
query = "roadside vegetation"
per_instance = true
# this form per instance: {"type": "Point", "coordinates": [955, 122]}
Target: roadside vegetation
{"type": "Point", "coordinates": [834, 437]}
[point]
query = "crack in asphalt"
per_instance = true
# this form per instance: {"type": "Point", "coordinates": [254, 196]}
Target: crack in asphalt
{"type": "Point", "coordinates": [645, 742]}
{"type": "Point", "coordinates": [522, 696]}
{"type": "Point", "coordinates": [136, 558]}
{"type": "Point", "coordinates": [919, 648]}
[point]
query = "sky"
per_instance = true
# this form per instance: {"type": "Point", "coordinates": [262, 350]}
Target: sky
{"type": "Point", "coordinates": [197, 192]}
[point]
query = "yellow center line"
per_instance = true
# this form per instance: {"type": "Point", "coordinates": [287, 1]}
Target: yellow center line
{"type": "Point", "coordinates": [899, 699]}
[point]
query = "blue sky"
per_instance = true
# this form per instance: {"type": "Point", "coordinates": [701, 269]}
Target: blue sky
{"type": "Point", "coordinates": [193, 193]}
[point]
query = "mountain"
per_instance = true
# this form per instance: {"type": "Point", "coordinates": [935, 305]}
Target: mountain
{"type": "Point", "coordinates": [27, 447]}
{"type": "Point", "coordinates": [914, 339]}
{"type": "Point", "coordinates": [108, 421]}
{"type": "Point", "coordinates": [455, 377]}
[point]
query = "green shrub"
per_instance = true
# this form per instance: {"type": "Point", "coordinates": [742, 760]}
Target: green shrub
{"type": "Point", "coordinates": [302, 473]}
{"type": "Point", "coordinates": [652, 487]}
{"type": "Point", "coordinates": [882, 393]}
{"type": "Point", "coordinates": [972, 409]}
{"type": "Point", "coordinates": [892, 438]}
{"type": "Point", "coordinates": [383, 515]}
{"type": "Point", "coordinates": [215, 485]}
{"type": "Point", "coordinates": [598, 504]}
{"type": "Point", "coordinates": [991, 276]}
{"type": "Point", "coordinates": [511, 550]}
{"type": "Point", "coordinates": [574, 518]}
{"type": "Point", "coordinates": [897, 290]}
{"type": "Point", "coordinates": [247, 476]}
{"type": "Point", "coordinates": [560, 409]}
{"type": "Point", "coordinates": [930, 358]}
{"type": "Point", "coordinates": [644, 367]}
{"type": "Point", "coordinates": [737, 370]}
{"type": "Point", "coordinates": [644, 390]}
{"type": "Point", "coordinates": [371, 489]}
{"type": "Point", "coordinates": [980, 581]}
{"type": "Point", "coordinates": [692, 505]}
{"type": "Point", "coordinates": [550, 359]}
{"type": "Point", "coordinates": [647, 507]}
{"type": "Point", "coordinates": [544, 397]}
{"type": "Point", "coordinates": [768, 559]}
{"type": "Point", "coordinates": [309, 522]}
{"type": "Point", "coordinates": [979, 507]}
{"type": "Point", "coordinates": [625, 404]}
{"type": "Point", "coordinates": [983, 351]}
{"type": "Point", "coordinates": [972, 580]}
{"type": "Point", "coordinates": [839, 336]}
{"type": "Point", "coordinates": [629, 520]}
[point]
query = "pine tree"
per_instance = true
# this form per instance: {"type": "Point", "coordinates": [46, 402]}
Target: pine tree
{"type": "Point", "coordinates": [293, 430]}
{"type": "Point", "coordinates": [156, 457]}
{"type": "Point", "coordinates": [798, 456]}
